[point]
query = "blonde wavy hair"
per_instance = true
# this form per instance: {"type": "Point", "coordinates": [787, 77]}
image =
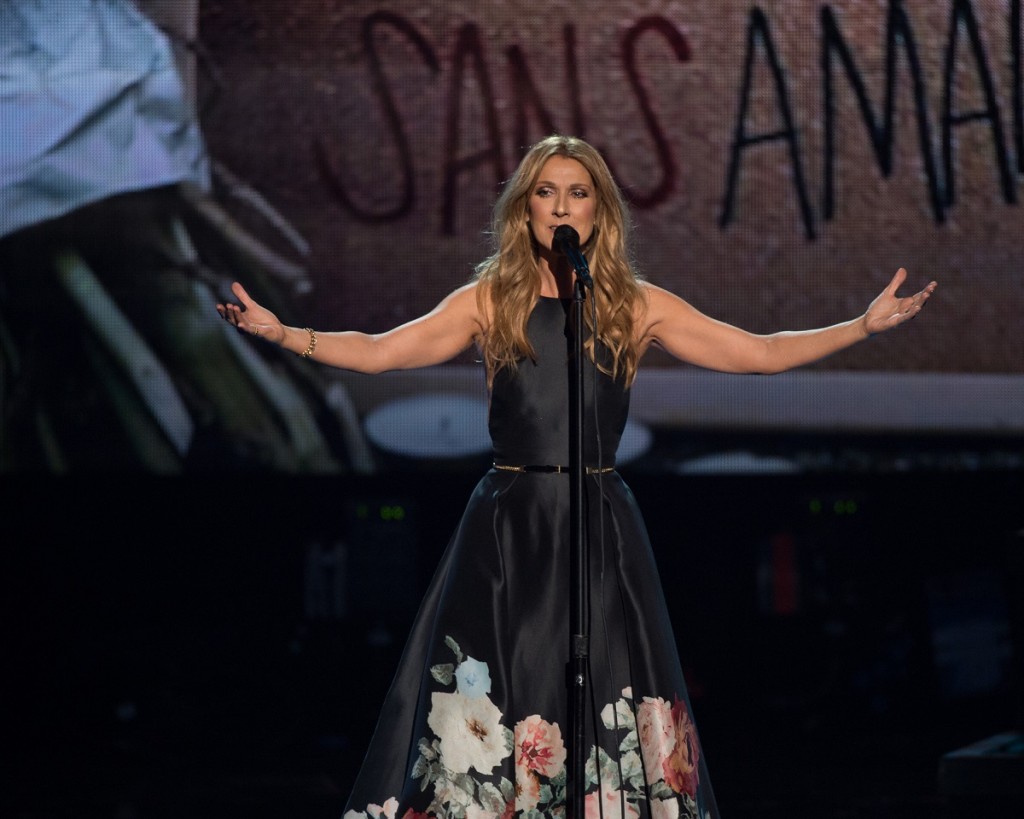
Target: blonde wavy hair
{"type": "Point", "coordinates": [510, 277]}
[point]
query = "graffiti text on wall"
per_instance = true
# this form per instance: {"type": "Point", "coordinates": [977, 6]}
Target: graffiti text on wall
{"type": "Point", "coordinates": [964, 50]}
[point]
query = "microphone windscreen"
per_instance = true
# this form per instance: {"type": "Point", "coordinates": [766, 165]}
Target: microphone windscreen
{"type": "Point", "coordinates": [566, 238]}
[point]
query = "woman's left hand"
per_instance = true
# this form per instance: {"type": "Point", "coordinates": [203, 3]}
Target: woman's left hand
{"type": "Point", "coordinates": [889, 310]}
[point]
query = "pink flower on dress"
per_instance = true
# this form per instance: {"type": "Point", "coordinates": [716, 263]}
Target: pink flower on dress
{"type": "Point", "coordinates": [657, 735]}
{"type": "Point", "coordinates": [415, 814]}
{"type": "Point", "coordinates": [539, 752]}
{"type": "Point", "coordinates": [681, 767]}
{"type": "Point", "coordinates": [609, 804]}
{"type": "Point", "coordinates": [539, 747]}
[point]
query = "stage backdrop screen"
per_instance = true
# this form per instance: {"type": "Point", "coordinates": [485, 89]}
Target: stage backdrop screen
{"type": "Point", "coordinates": [781, 159]}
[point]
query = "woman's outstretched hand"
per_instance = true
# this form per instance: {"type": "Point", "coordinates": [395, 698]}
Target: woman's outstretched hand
{"type": "Point", "coordinates": [889, 310]}
{"type": "Point", "coordinates": [250, 317]}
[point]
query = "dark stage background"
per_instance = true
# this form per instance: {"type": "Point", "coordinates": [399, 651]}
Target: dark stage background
{"type": "Point", "coordinates": [840, 635]}
{"type": "Point", "coordinates": [212, 551]}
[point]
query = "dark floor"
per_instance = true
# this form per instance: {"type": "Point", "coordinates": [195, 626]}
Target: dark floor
{"type": "Point", "coordinates": [156, 671]}
{"type": "Point", "coordinates": [853, 774]}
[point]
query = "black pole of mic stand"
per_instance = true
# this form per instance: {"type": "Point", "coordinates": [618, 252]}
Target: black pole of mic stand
{"type": "Point", "coordinates": [580, 660]}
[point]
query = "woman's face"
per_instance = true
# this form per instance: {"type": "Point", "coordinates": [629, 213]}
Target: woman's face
{"type": "Point", "coordinates": [562, 195]}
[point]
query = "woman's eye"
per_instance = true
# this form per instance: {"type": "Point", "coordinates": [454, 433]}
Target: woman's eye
{"type": "Point", "coordinates": [578, 193]}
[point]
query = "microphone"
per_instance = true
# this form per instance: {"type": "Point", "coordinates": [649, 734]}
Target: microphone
{"type": "Point", "coordinates": [567, 242]}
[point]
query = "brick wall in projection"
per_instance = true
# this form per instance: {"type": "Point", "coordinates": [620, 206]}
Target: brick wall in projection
{"type": "Point", "coordinates": [783, 158]}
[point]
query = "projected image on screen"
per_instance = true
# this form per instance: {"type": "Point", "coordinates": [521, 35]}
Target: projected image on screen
{"type": "Point", "coordinates": [781, 162]}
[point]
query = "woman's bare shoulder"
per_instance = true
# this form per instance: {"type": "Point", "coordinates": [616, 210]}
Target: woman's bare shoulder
{"type": "Point", "coordinates": [661, 309]}
{"type": "Point", "coordinates": [475, 298]}
{"type": "Point", "coordinates": [647, 306]}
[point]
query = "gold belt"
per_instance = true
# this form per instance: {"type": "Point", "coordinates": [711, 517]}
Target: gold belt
{"type": "Point", "coordinates": [551, 468]}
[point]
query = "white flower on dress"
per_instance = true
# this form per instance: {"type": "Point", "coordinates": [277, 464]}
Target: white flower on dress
{"type": "Point", "coordinates": [475, 811]}
{"type": "Point", "coordinates": [665, 809]}
{"type": "Point", "coordinates": [618, 716]}
{"type": "Point", "coordinates": [470, 731]}
{"type": "Point", "coordinates": [632, 768]}
{"type": "Point", "coordinates": [385, 811]}
{"type": "Point", "coordinates": [472, 678]}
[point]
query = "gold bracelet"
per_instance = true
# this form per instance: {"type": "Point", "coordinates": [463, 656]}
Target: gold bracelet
{"type": "Point", "coordinates": [312, 343]}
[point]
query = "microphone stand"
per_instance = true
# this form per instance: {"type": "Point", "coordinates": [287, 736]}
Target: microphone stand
{"type": "Point", "coordinates": [580, 596]}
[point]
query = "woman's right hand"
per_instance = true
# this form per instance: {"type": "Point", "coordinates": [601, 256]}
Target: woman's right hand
{"type": "Point", "coordinates": [250, 317]}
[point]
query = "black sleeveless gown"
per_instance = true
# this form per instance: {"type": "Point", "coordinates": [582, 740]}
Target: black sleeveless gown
{"type": "Point", "coordinates": [476, 722]}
